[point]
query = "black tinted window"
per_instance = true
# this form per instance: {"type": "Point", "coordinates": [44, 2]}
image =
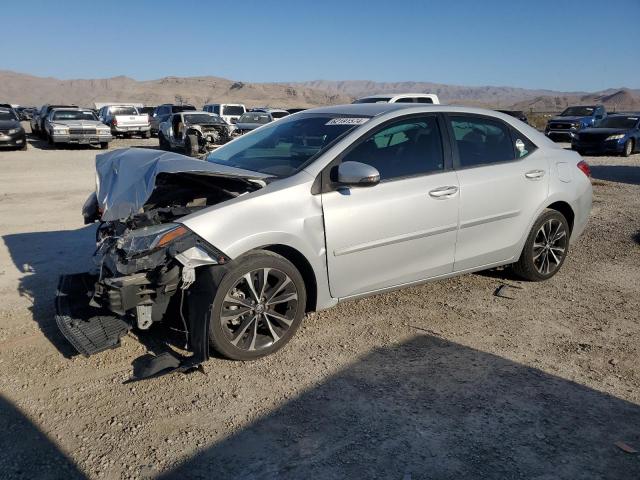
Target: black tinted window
{"type": "Point", "coordinates": [424, 100]}
{"type": "Point", "coordinates": [405, 100]}
{"type": "Point", "coordinates": [405, 148]}
{"type": "Point", "coordinates": [481, 141]}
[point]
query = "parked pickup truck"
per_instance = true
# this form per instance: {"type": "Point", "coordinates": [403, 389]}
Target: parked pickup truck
{"type": "Point", "coordinates": [568, 123]}
{"type": "Point", "coordinates": [125, 120]}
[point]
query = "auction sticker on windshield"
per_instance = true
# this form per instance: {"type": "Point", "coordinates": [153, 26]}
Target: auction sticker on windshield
{"type": "Point", "coordinates": [347, 121]}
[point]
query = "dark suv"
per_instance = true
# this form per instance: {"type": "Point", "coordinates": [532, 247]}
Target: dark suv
{"type": "Point", "coordinates": [164, 111]}
{"type": "Point", "coordinates": [568, 123]}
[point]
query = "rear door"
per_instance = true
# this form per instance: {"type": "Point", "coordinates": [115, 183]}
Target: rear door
{"type": "Point", "coordinates": [402, 230]}
{"type": "Point", "coordinates": [503, 181]}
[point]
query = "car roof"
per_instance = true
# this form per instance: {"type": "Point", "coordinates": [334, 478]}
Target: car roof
{"type": "Point", "coordinates": [394, 95]}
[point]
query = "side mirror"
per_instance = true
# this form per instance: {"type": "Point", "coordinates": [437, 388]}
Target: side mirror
{"type": "Point", "coordinates": [358, 174]}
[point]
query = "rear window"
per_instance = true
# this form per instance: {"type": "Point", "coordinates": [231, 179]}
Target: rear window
{"type": "Point", "coordinates": [123, 111]}
{"type": "Point", "coordinates": [260, 118]}
{"type": "Point", "coordinates": [232, 110]}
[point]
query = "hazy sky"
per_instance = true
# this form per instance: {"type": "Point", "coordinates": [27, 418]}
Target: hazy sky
{"type": "Point", "coordinates": [562, 44]}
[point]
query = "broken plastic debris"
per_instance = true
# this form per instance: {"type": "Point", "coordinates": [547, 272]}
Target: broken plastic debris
{"type": "Point", "coordinates": [502, 291]}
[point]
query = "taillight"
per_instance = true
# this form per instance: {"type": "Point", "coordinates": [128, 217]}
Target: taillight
{"type": "Point", "coordinates": [114, 122]}
{"type": "Point", "coordinates": [584, 167]}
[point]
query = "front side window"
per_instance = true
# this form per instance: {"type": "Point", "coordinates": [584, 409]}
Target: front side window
{"type": "Point", "coordinates": [6, 114]}
{"type": "Point", "coordinates": [405, 100]}
{"type": "Point", "coordinates": [406, 148]}
{"type": "Point", "coordinates": [481, 141]}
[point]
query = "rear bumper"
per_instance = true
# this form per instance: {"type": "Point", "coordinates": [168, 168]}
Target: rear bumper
{"type": "Point", "coordinates": [130, 129]}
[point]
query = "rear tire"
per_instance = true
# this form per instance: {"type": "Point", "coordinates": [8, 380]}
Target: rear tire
{"type": "Point", "coordinates": [191, 146]}
{"type": "Point", "coordinates": [628, 148]}
{"type": "Point", "coordinates": [235, 308]}
{"type": "Point", "coordinates": [545, 249]}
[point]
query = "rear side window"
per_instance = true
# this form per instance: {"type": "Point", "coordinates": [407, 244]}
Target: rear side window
{"type": "Point", "coordinates": [405, 148]}
{"type": "Point", "coordinates": [424, 100]}
{"type": "Point", "coordinates": [481, 141]}
{"type": "Point", "coordinates": [232, 110]}
{"type": "Point", "coordinates": [405, 100]}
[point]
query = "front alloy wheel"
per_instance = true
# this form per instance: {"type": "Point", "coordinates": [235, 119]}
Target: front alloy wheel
{"type": "Point", "coordinates": [258, 306]}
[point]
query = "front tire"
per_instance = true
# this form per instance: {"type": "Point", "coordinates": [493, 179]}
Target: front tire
{"type": "Point", "coordinates": [191, 146]}
{"type": "Point", "coordinates": [546, 248]}
{"type": "Point", "coordinates": [257, 306]}
{"type": "Point", "coordinates": [628, 148]}
{"type": "Point", "coordinates": [164, 145]}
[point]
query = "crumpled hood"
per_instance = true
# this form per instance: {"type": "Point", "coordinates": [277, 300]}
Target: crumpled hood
{"type": "Point", "coordinates": [125, 178]}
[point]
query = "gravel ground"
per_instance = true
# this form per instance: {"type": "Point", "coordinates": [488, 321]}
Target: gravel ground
{"type": "Point", "coordinates": [443, 380]}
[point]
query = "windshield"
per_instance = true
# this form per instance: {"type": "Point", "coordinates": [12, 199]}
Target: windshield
{"type": "Point", "coordinates": [578, 112]}
{"type": "Point", "coordinates": [259, 118]}
{"type": "Point", "coordinates": [147, 110]}
{"type": "Point", "coordinates": [198, 118]}
{"type": "Point", "coordinates": [124, 111]}
{"type": "Point", "coordinates": [284, 148]}
{"type": "Point", "coordinates": [73, 115]}
{"type": "Point", "coordinates": [6, 114]}
{"type": "Point", "coordinates": [373, 100]}
{"type": "Point", "coordinates": [619, 122]}
{"type": "Point", "coordinates": [232, 110]}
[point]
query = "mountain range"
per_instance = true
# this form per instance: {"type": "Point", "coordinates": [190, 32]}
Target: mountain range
{"type": "Point", "coordinates": [19, 88]}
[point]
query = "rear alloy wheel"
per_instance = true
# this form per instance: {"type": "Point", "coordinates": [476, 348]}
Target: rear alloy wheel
{"type": "Point", "coordinates": [628, 148]}
{"type": "Point", "coordinates": [258, 306]}
{"type": "Point", "coordinates": [545, 249]}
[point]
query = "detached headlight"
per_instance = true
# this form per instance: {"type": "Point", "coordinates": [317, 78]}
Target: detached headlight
{"type": "Point", "coordinates": [614, 137]}
{"type": "Point", "coordinates": [144, 240]}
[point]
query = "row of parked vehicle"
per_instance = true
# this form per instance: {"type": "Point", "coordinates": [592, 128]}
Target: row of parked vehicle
{"type": "Point", "coordinates": [590, 129]}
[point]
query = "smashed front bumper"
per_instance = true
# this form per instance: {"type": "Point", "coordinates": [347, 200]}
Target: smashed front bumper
{"type": "Point", "coordinates": [94, 311]}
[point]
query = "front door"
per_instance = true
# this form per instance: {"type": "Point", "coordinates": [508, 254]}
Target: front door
{"type": "Point", "coordinates": [402, 230]}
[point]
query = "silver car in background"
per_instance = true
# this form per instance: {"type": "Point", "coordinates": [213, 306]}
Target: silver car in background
{"type": "Point", "coordinates": [326, 205]}
{"type": "Point", "coordinates": [76, 126]}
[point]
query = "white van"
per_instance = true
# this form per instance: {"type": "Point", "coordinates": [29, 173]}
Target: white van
{"type": "Point", "coordinates": [230, 112]}
{"type": "Point", "coordinates": [400, 98]}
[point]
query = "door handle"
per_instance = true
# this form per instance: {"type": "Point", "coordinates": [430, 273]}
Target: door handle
{"type": "Point", "coordinates": [443, 192]}
{"type": "Point", "coordinates": [534, 174]}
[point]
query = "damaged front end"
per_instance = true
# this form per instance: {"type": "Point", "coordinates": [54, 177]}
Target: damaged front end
{"type": "Point", "coordinates": [146, 261]}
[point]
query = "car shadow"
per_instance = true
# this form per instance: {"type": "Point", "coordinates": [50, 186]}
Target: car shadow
{"type": "Point", "coordinates": [27, 452]}
{"type": "Point", "coordinates": [431, 408]}
{"type": "Point", "coordinates": [42, 257]}
{"type": "Point", "coordinates": [617, 173]}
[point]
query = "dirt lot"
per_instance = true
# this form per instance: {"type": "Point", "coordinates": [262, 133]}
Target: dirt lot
{"type": "Point", "coordinates": [444, 380]}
